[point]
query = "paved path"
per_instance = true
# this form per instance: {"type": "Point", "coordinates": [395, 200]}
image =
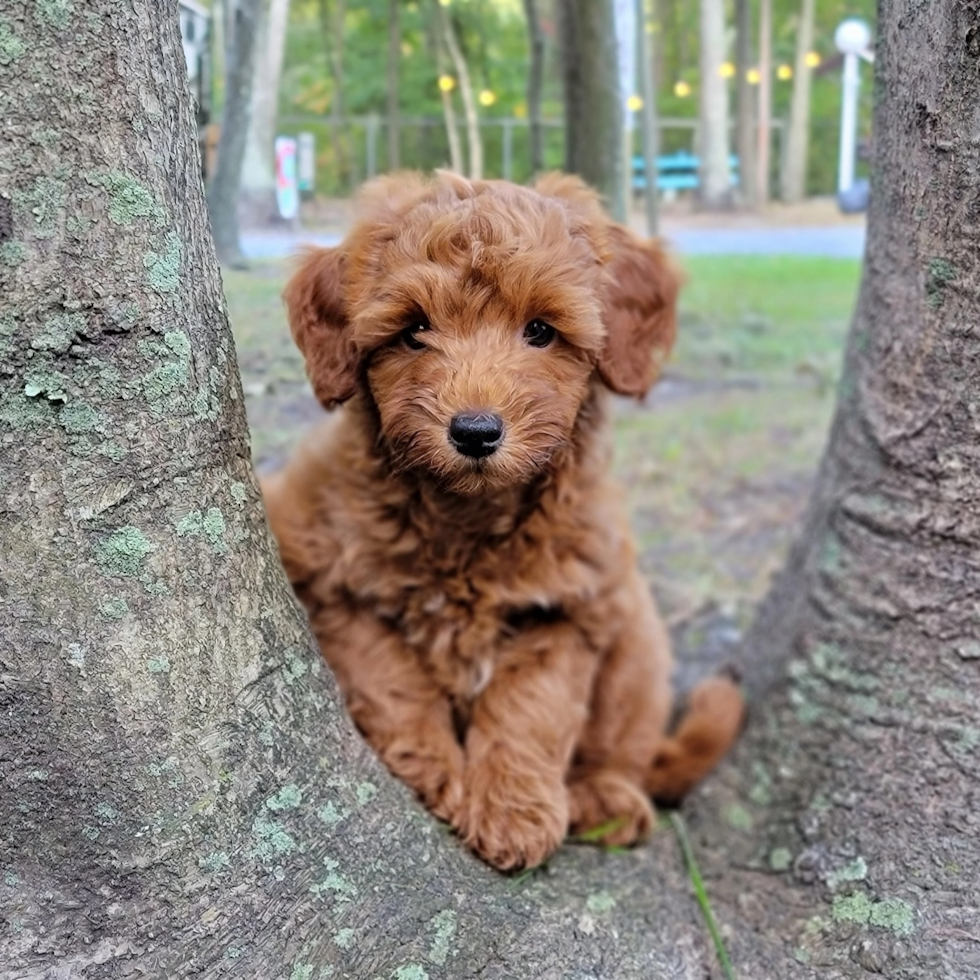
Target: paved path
{"type": "Point", "coordinates": [835, 241]}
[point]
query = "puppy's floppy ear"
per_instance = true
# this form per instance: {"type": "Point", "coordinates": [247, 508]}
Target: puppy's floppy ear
{"type": "Point", "coordinates": [639, 312]}
{"type": "Point", "coordinates": [317, 317]}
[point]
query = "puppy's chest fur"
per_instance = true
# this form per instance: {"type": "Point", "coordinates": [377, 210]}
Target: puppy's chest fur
{"type": "Point", "coordinates": [461, 599]}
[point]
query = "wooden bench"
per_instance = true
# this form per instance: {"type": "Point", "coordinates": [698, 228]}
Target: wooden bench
{"type": "Point", "coordinates": [677, 172]}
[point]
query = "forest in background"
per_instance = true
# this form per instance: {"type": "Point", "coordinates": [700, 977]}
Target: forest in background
{"type": "Point", "coordinates": [335, 81]}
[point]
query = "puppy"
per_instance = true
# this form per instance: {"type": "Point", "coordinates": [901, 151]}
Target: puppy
{"type": "Point", "coordinates": [454, 532]}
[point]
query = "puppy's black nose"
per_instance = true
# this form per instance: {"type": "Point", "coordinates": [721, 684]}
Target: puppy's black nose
{"type": "Point", "coordinates": [476, 434]}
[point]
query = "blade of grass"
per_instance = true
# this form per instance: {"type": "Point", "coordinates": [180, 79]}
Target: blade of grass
{"type": "Point", "coordinates": [518, 879]}
{"type": "Point", "coordinates": [595, 834]}
{"type": "Point", "coordinates": [701, 893]}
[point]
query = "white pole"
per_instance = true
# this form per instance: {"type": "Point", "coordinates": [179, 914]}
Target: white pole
{"type": "Point", "coordinates": [852, 38]}
{"type": "Point", "coordinates": [848, 122]}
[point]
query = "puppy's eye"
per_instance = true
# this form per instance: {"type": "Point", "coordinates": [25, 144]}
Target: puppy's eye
{"type": "Point", "coordinates": [539, 334]}
{"type": "Point", "coordinates": [410, 335]}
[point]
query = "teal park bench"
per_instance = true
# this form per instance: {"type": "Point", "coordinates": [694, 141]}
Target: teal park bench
{"type": "Point", "coordinates": [677, 172]}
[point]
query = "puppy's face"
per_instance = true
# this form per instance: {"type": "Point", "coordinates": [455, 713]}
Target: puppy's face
{"type": "Point", "coordinates": [475, 316]}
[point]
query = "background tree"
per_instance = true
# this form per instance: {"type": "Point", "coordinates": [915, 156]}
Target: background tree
{"type": "Point", "coordinates": [446, 85]}
{"type": "Point", "coordinates": [793, 171]}
{"type": "Point", "coordinates": [535, 84]}
{"type": "Point", "coordinates": [649, 128]}
{"type": "Point", "coordinates": [394, 59]}
{"type": "Point", "coordinates": [334, 32]}
{"type": "Point", "coordinates": [258, 172]}
{"type": "Point", "coordinates": [593, 105]}
{"type": "Point", "coordinates": [764, 112]}
{"type": "Point", "coordinates": [474, 140]}
{"type": "Point", "coordinates": [241, 20]}
{"type": "Point", "coordinates": [713, 152]}
{"type": "Point", "coordinates": [745, 141]}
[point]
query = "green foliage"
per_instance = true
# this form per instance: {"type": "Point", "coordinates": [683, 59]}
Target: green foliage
{"type": "Point", "coordinates": [493, 36]}
{"type": "Point", "coordinates": [494, 42]}
{"type": "Point", "coordinates": [678, 50]}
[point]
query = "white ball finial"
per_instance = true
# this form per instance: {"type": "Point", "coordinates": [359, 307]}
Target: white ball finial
{"type": "Point", "coordinates": [852, 36]}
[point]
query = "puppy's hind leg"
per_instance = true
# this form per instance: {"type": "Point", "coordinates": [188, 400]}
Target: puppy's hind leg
{"type": "Point", "coordinates": [629, 712]}
{"type": "Point", "coordinates": [705, 733]}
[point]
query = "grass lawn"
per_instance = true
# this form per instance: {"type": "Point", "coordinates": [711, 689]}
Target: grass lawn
{"type": "Point", "coordinates": [717, 462]}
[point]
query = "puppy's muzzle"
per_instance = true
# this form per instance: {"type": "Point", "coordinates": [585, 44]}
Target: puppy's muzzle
{"type": "Point", "coordinates": [476, 434]}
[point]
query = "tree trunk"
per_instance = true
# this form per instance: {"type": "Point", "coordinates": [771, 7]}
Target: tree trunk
{"type": "Point", "coordinates": [446, 95]}
{"type": "Point", "coordinates": [473, 137]}
{"type": "Point", "coordinates": [332, 15]}
{"type": "Point", "coordinates": [593, 105]}
{"type": "Point", "coordinates": [764, 116]}
{"type": "Point", "coordinates": [715, 190]}
{"type": "Point", "coordinates": [793, 176]}
{"type": "Point", "coordinates": [535, 85]}
{"type": "Point", "coordinates": [745, 142]}
{"type": "Point", "coordinates": [648, 115]}
{"type": "Point", "coordinates": [258, 171]}
{"type": "Point", "coordinates": [394, 60]}
{"type": "Point", "coordinates": [861, 776]}
{"type": "Point", "coordinates": [241, 26]}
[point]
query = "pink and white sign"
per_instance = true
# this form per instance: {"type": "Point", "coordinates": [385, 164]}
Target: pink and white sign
{"type": "Point", "coordinates": [287, 190]}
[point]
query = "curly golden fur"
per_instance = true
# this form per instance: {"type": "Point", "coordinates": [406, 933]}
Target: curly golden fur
{"type": "Point", "coordinates": [453, 530]}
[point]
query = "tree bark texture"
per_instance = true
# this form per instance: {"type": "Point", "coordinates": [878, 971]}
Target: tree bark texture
{"type": "Point", "coordinates": [241, 27]}
{"type": "Point", "coordinates": [593, 103]}
{"type": "Point", "coordinates": [745, 108]}
{"type": "Point", "coordinates": [535, 85]}
{"type": "Point", "coordinates": [394, 61]}
{"type": "Point", "coordinates": [715, 190]}
{"type": "Point", "coordinates": [258, 170]}
{"type": "Point", "coordinates": [793, 171]}
{"type": "Point", "coordinates": [183, 796]}
{"type": "Point", "coordinates": [863, 804]}
{"type": "Point", "coordinates": [473, 138]}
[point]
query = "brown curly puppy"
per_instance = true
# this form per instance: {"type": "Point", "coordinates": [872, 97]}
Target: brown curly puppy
{"type": "Point", "coordinates": [454, 532]}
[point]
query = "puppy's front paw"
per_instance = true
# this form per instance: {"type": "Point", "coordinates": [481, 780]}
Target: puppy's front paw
{"type": "Point", "coordinates": [511, 825]}
{"type": "Point", "coordinates": [605, 806]}
{"type": "Point", "coordinates": [443, 795]}
{"type": "Point", "coordinates": [436, 778]}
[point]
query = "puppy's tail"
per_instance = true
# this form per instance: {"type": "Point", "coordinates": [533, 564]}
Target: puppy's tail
{"type": "Point", "coordinates": [714, 717]}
